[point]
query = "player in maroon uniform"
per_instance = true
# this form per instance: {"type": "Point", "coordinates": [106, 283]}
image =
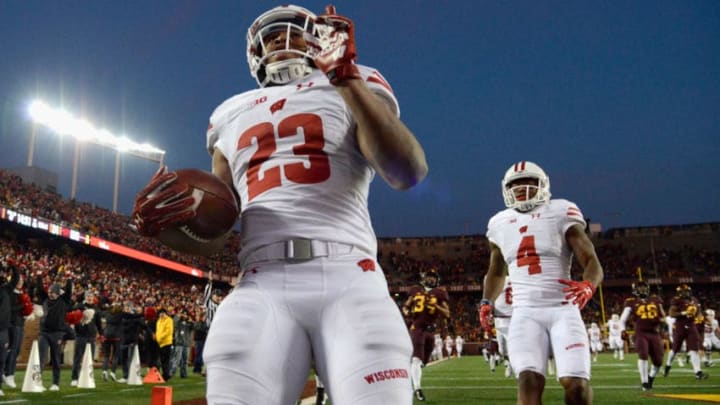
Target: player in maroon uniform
{"type": "Point", "coordinates": [646, 311]}
{"type": "Point", "coordinates": [684, 307]}
{"type": "Point", "coordinates": [425, 304]}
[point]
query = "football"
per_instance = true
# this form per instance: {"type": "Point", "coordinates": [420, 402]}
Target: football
{"type": "Point", "coordinates": [216, 212]}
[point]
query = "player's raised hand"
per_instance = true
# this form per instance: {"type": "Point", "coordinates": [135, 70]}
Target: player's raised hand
{"type": "Point", "coordinates": [336, 55]}
{"type": "Point", "coordinates": [162, 203]}
{"type": "Point", "coordinates": [484, 314]}
{"type": "Point", "coordinates": [578, 292]}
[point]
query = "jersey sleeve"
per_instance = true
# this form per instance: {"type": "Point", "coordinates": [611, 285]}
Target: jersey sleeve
{"type": "Point", "coordinates": [378, 85]}
{"type": "Point", "coordinates": [569, 214]}
{"type": "Point", "coordinates": [444, 294]}
{"type": "Point", "coordinates": [492, 230]}
{"type": "Point", "coordinates": [218, 119]}
{"type": "Point", "coordinates": [212, 138]}
{"type": "Point", "coordinates": [214, 126]}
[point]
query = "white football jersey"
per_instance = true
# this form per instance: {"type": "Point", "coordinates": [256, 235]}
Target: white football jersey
{"type": "Point", "coordinates": [503, 303]}
{"type": "Point", "coordinates": [594, 333]}
{"type": "Point", "coordinates": [614, 328]}
{"type": "Point", "coordinates": [296, 164]}
{"type": "Point", "coordinates": [711, 328]}
{"type": "Point", "coordinates": [535, 250]}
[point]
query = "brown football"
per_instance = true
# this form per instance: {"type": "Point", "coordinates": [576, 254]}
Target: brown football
{"type": "Point", "coordinates": [216, 212]}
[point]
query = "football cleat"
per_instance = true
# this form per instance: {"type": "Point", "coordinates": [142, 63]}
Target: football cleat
{"type": "Point", "coordinates": [646, 386]}
{"type": "Point", "coordinates": [320, 396]}
{"type": "Point", "coordinates": [666, 371]}
{"type": "Point", "coordinates": [701, 376]}
{"type": "Point", "coordinates": [650, 382]}
{"type": "Point", "coordinates": [419, 395]}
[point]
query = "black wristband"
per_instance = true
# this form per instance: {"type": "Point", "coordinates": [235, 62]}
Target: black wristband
{"type": "Point", "coordinates": [342, 73]}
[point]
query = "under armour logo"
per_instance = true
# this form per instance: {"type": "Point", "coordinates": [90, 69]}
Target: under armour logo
{"type": "Point", "coordinates": [300, 86]}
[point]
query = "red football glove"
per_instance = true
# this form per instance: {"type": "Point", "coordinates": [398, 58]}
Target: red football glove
{"type": "Point", "coordinates": [580, 292]}
{"type": "Point", "coordinates": [162, 203]}
{"type": "Point", "coordinates": [337, 54]}
{"type": "Point", "coordinates": [485, 313]}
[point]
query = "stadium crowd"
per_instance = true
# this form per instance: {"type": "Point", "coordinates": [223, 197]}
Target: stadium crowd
{"type": "Point", "coordinates": [97, 221]}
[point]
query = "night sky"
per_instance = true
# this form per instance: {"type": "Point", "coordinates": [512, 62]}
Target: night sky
{"type": "Point", "coordinates": [618, 101]}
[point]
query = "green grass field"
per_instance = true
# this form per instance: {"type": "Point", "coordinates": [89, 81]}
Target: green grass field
{"type": "Point", "coordinates": [104, 393]}
{"type": "Point", "coordinates": [465, 381]}
{"type": "Point", "coordinates": [468, 380]}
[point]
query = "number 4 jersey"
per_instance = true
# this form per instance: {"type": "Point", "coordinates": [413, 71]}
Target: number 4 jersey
{"type": "Point", "coordinates": [296, 163]}
{"type": "Point", "coordinates": [535, 250]}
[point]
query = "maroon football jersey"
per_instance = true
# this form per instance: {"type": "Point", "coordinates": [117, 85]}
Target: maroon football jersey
{"type": "Point", "coordinates": [645, 312]}
{"type": "Point", "coordinates": [424, 308]}
{"type": "Point", "coordinates": [690, 306]}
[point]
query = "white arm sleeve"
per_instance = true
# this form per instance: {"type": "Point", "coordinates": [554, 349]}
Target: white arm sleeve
{"type": "Point", "coordinates": [623, 317]}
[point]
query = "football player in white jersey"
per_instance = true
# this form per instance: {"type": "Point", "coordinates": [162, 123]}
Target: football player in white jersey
{"type": "Point", "coordinates": [301, 151]}
{"type": "Point", "coordinates": [459, 342]}
{"type": "Point", "coordinates": [711, 336]}
{"type": "Point", "coordinates": [536, 238]}
{"type": "Point", "coordinates": [437, 353]}
{"type": "Point", "coordinates": [615, 341]}
{"type": "Point", "coordinates": [595, 335]}
{"type": "Point", "coordinates": [449, 345]}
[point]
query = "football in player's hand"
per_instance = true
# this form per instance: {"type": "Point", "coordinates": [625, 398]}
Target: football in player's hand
{"type": "Point", "coordinates": [216, 211]}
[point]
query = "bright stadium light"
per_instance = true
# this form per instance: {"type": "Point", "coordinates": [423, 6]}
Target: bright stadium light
{"type": "Point", "coordinates": [63, 123]}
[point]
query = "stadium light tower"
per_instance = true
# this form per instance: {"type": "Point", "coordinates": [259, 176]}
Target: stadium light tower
{"type": "Point", "coordinates": [63, 123]}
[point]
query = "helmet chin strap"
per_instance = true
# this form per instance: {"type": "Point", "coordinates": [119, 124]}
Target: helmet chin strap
{"type": "Point", "coordinates": [286, 71]}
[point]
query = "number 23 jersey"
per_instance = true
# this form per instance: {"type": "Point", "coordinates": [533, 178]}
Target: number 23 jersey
{"type": "Point", "coordinates": [534, 247]}
{"type": "Point", "coordinates": [296, 163]}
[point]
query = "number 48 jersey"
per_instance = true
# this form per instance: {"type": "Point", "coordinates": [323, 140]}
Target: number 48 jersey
{"type": "Point", "coordinates": [535, 250]}
{"type": "Point", "coordinates": [296, 163]}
